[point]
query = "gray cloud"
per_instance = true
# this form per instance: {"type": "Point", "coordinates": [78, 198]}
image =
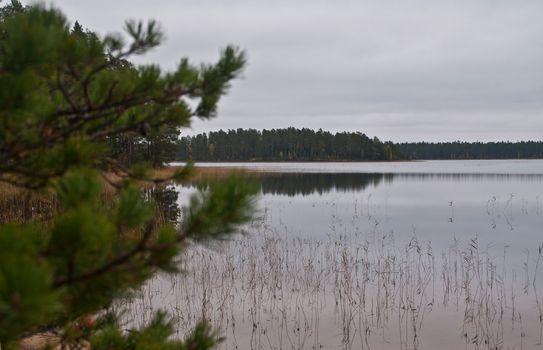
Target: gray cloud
{"type": "Point", "coordinates": [401, 70]}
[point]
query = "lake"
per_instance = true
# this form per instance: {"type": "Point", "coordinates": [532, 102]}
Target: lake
{"type": "Point", "coordinates": [399, 255]}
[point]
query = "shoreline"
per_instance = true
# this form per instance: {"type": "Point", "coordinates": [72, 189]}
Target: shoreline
{"type": "Point", "coordinates": [347, 161]}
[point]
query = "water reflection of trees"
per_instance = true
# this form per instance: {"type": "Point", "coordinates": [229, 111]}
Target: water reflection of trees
{"type": "Point", "coordinates": [294, 184]}
{"type": "Point", "coordinates": [165, 199]}
{"type": "Point", "coordinates": [469, 177]}
{"type": "Point", "coordinates": [303, 184]}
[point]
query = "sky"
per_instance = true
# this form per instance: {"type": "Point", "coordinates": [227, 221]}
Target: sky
{"type": "Point", "coordinates": [401, 70]}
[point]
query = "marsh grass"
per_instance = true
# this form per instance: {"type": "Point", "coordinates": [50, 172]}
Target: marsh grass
{"type": "Point", "coordinates": [352, 290]}
{"type": "Point", "coordinates": [19, 205]}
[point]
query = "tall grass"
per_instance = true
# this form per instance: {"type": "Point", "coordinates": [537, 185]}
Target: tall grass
{"type": "Point", "coordinates": [276, 290]}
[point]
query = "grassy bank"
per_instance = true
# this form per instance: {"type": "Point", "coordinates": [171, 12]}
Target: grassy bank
{"type": "Point", "coordinates": [22, 205]}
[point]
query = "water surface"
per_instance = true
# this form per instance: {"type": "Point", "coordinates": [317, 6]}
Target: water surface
{"type": "Point", "coordinates": [373, 255]}
{"type": "Point", "coordinates": [421, 167]}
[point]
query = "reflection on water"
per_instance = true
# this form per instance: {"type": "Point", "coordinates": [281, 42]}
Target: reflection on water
{"type": "Point", "coordinates": [514, 166]}
{"type": "Point", "coordinates": [371, 261]}
{"type": "Point", "coordinates": [165, 199]}
{"type": "Point", "coordinates": [295, 184]}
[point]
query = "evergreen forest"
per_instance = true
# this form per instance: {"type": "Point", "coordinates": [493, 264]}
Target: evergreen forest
{"type": "Point", "coordinates": [473, 150]}
{"type": "Point", "coordinates": [292, 144]}
{"type": "Point", "coordinates": [288, 144]}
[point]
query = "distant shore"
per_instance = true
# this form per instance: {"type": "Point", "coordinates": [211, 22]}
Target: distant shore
{"type": "Point", "coordinates": [301, 161]}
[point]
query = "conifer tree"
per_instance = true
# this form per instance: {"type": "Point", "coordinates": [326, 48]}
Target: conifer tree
{"type": "Point", "coordinates": [64, 93]}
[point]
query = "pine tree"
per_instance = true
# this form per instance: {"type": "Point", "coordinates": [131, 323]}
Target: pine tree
{"type": "Point", "coordinates": [160, 146]}
{"type": "Point", "coordinates": [64, 95]}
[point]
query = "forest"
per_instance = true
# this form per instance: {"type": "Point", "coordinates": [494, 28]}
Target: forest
{"type": "Point", "coordinates": [472, 150]}
{"type": "Point", "coordinates": [291, 144]}
{"type": "Point", "coordinates": [288, 144]}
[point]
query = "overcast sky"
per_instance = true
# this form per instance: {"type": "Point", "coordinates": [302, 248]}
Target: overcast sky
{"type": "Point", "coordinates": [401, 70]}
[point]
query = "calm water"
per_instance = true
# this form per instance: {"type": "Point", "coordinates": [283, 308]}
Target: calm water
{"type": "Point", "coordinates": [419, 167]}
{"type": "Point", "coordinates": [373, 255]}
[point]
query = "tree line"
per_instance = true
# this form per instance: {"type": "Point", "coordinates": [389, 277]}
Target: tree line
{"type": "Point", "coordinates": [288, 144]}
{"type": "Point", "coordinates": [292, 144]}
{"type": "Point", "coordinates": [472, 150]}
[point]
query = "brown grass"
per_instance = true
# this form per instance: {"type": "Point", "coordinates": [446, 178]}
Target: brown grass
{"type": "Point", "coordinates": [19, 205]}
{"type": "Point", "coordinates": [206, 172]}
